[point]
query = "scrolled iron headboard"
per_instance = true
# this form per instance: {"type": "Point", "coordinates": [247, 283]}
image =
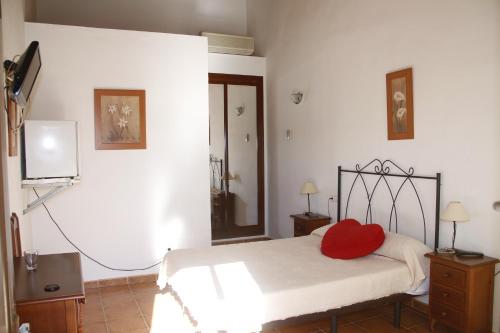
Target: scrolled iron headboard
{"type": "Point", "coordinates": [382, 171]}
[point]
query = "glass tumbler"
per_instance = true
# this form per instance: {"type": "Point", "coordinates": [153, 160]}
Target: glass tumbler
{"type": "Point", "coordinates": [31, 259]}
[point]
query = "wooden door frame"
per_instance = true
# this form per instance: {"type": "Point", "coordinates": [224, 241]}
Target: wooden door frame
{"type": "Point", "coordinates": [258, 82]}
{"type": "Point", "coordinates": [6, 258]}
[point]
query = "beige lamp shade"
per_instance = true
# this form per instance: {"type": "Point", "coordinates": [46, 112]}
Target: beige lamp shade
{"type": "Point", "coordinates": [228, 176]}
{"type": "Point", "coordinates": [308, 188]}
{"type": "Point", "coordinates": [455, 212]}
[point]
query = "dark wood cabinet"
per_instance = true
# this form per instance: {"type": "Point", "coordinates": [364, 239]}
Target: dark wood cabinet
{"type": "Point", "coordinates": [303, 224]}
{"type": "Point", "coordinates": [50, 312]}
{"type": "Point", "coordinates": [222, 210]}
{"type": "Point", "coordinates": [461, 292]}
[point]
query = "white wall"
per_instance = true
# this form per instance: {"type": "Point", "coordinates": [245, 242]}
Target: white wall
{"type": "Point", "coordinates": [14, 44]}
{"type": "Point", "coordinates": [338, 52]}
{"type": "Point", "coordinates": [131, 205]}
{"type": "Point", "coordinates": [173, 16]}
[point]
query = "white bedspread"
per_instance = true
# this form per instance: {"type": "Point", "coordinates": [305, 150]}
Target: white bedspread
{"type": "Point", "coordinates": [239, 287]}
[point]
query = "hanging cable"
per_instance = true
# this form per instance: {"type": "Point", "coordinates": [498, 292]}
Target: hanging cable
{"type": "Point", "coordinates": [85, 254]}
{"type": "Point", "coordinates": [329, 199]}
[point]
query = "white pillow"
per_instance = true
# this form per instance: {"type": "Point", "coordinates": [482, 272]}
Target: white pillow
{"type": "Point", "coordinates": [408, 250]}
{"type": "Point", "coordinates": [402, 248]}
{"type": "Point", "coordinates": [322, 231]}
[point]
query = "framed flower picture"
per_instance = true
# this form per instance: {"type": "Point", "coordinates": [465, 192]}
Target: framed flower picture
{"type": "Point", "coordinates": [400, 105]}
{"type": "Point", "coordinates": [120, 119]}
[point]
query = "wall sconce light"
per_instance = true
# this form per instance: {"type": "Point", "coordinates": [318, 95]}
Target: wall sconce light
{"type": "Point", "coordinates": [239, 110]}
{"type": "Point", "coordinates": [288, 134]}
{"type": "Point", "coordinates": [297, 96]}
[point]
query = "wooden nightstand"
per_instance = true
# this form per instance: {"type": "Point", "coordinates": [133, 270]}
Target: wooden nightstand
{"type": "Point", "coordinates": [55, 312]}
{"type": "Point", "coordinates": [303, 225]}
{"type": "Point", "coordinates": [461, 292]}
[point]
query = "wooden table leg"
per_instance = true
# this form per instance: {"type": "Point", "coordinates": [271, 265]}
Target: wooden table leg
{"type": "Point", "coordinates": [80, 315]}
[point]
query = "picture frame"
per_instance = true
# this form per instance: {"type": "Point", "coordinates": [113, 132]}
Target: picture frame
{"type": "Point", "coordinates": [399, 86]}
{"type": "Point", "coordinates": [119, 119]}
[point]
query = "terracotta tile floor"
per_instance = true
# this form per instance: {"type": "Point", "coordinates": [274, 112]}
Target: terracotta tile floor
{"type": "Point", "coordinates": [143, 308]}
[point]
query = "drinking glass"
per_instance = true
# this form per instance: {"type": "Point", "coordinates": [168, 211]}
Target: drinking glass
{"type": "Point", "coordinates": [31, 259]}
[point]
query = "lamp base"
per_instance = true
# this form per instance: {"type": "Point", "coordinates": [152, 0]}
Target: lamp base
{"type": "Point", "coordinates": [445, 250]}
{"type": "Point", "coordinates": [309, 214]}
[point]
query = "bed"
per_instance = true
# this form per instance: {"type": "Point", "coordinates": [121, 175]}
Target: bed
{"type": "Point", "coordinates": [251, 286]}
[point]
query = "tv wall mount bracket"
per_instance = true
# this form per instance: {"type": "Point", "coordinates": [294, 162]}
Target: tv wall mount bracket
{"type": "Point", "coordinates": [56, 184]}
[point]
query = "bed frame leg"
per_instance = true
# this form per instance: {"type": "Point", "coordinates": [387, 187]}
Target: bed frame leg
{"type": "Point", "coordinates": [397, 314]}
{"type": "Point", "coordinates": [333, 324]}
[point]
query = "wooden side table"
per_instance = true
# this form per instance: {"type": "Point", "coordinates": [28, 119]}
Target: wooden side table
{"type": "Point", "coordinates": [54, 312]}
{"type": "Point", "coordinates": [461, 292]}
{"type": "Point", "coordinates": [303, 225]}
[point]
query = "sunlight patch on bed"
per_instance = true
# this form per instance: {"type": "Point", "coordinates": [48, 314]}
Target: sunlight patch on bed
{"type": "Point", "coordinates": [242, 297]}
{"type": "Point", "coordinates": [168, 316]}
{"type": "Point", "coordinates": [224, 294]}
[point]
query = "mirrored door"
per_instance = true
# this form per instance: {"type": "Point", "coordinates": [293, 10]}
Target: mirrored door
{"type": "Point", "coordinates": [236, 155]}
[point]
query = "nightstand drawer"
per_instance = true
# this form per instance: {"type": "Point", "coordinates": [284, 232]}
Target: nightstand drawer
{"type": "Point", "coordinates": [305, 224]}
{"type": "Point", "coordinates": [448, 276]}
{"type": "Point", "coordinates": [447, 315]}
{"type": "Point", "coordinates": [448, 296]}
{"type": "Point", "coordinates": [299, 228]}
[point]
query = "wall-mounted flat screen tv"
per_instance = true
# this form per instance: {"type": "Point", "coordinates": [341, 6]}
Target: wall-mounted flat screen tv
{"type": "Point", "coordinates": [23, 73]}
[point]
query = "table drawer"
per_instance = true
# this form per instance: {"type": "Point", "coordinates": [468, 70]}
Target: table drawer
{"type": "Point", "coordinates": [448, 296]}
{"type": "Point", "coordinates": [448, 276]}
{"type": "Point", "coordinates": [447, 315]}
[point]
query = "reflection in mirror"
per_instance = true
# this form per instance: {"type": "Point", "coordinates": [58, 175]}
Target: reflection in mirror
{"type": "Point", "coordinates": [221, 204]}
{"type": "Point", "coordinates": [242, 156]}
{"type": "Point", "coordinates": [216, 140]}
{"type": "Point", "coordinates": [236, 155]}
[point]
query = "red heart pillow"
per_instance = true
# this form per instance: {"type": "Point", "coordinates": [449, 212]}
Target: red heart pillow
{"type": "Point", "coordinates": [350, 239]}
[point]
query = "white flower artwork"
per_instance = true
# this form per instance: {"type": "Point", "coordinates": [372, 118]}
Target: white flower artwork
{"type": "Point", "coordinates": [400, 104]}
{"type": "Point", "coordinates": [112, 108]}
{"type": "Point", "coordinates": [120, 119]}
{"type": "Point", "coordinates": [401, 113]}
{"type": "Point", "coordinates": [122, 123]}
{"type": "Point", "coordinates": [399, 97]}
{"type": "Point", "coordinates": [126, 109]}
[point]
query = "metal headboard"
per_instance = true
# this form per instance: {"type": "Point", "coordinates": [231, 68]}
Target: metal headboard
{"type": "Point", "coordinates": [217, 170]}
{"type": "Point", "coordinates": [382, 171]}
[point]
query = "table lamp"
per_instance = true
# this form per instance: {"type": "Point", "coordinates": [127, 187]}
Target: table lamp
{"type": "Point", "coordinates": [228, 176]}
{"type": "Point", "coordinates": [308, 188]}
{"type": "Point", "coordinates": [455, 212]}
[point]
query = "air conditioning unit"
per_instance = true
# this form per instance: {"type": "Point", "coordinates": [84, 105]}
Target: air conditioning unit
{"type": "Point", "coordinates": [229, 44]}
